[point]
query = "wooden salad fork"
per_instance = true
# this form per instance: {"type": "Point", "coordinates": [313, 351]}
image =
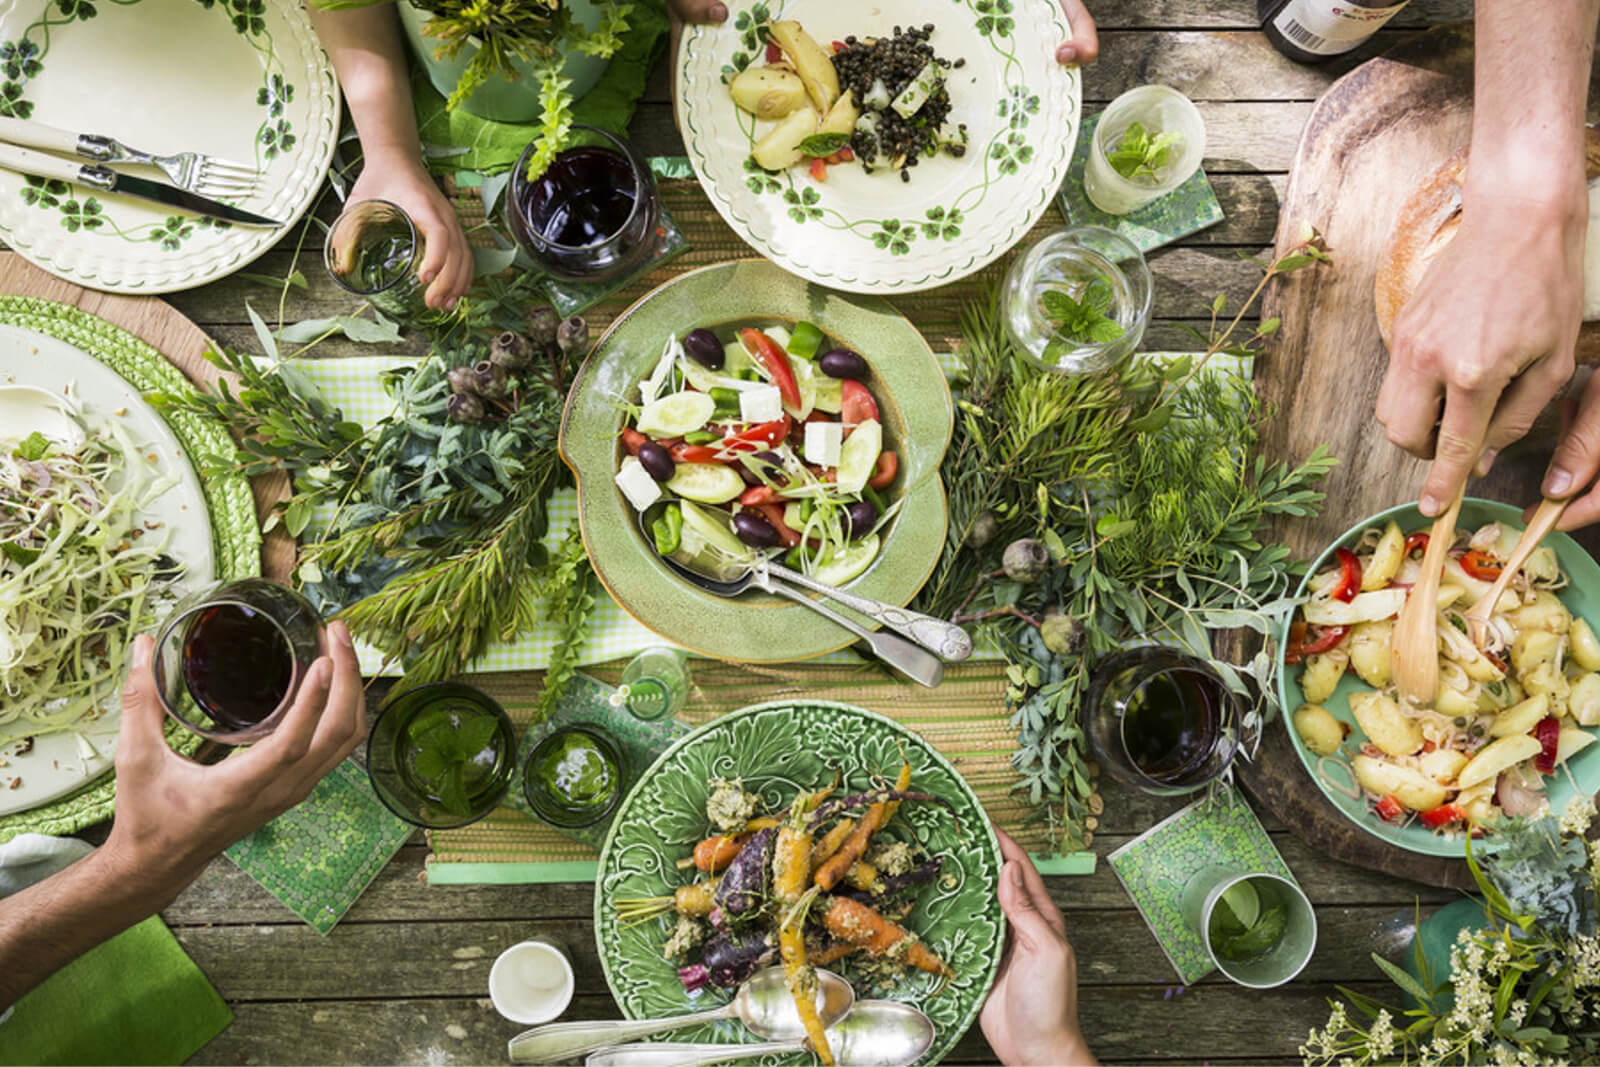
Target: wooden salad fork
{"type": "Point", "coordinates": [1544, 520]}
{"type": "Point", "coordinates": [1415, 644]}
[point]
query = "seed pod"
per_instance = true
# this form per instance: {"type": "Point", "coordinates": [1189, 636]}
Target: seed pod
{"type": "Point", "coordinates": [463, 381]}
{"type": "Point", "coordinates": [1025, 560]}
{"type": "Point", "coordinates": [465, 407]}
{"type": "Point", "coordinates": [510, 351]}
{"type": "Point", "coordinates": [542, 323]}
{"type": "Point", "coordinates": [982, 530]}
{"type": "Point", "coordinates": [572, 335]}
{"type": "Point", "coordinates": [1062, 634]}
{"type": "Point", "coordinates": [491, 380]}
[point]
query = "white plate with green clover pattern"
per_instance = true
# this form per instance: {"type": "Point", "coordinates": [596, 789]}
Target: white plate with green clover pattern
{"type": "Point", "coordinates": [874, 233]}
{"type": "Point", "coordinates": [245, 80]}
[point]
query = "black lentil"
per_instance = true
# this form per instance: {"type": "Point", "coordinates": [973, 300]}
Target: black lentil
{"type": "Point", "coordinates": [895, 61]}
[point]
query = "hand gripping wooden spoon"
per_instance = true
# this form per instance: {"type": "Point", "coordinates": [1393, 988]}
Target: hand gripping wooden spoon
{"type": "Point", "coordinates": [1414, 647]}
{"type": "Point", "coordinates": [1544, 520]}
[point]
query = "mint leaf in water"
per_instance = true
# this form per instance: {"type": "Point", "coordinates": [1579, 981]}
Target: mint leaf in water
{"type": "Point", "coordinates": [1083, 321]}
{"type": "Point", "coordinates": [453, 793]}
{"type": "Point", "coordinates": [475, 736]}
{"type": "Point", "coordinates": [1139, 155]}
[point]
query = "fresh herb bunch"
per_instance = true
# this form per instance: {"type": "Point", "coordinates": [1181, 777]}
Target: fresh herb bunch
{"type": "Point", "coordinates": [1088, 511]}
{"type": "Point", "coordinates": [1086, 319]}
{"type": "Point", "coordinates": [1139, 155]}
{"type": "Point", "coordinates": [1523, 988]}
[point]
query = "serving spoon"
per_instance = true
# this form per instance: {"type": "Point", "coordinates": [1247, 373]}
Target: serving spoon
{"type": "Point", "coordinates": [1415, 643]}
{"type": "Point", "coordinates": [763, 1004]}
{"type": "Point", "coordinates": [26, 409]}
{"type": "Point", "coordinates": [876, 1033]}
{"type": "Point", "coordinates": [1544, 520]}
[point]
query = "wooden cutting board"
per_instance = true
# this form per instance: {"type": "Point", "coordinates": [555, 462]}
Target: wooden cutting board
{"type": "Point", "coordinates": [1373, 136]}
{"type": "Point", "coordinates": [154, 321]}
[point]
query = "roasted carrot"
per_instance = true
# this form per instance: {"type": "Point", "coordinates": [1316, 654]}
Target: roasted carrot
{"type": "Point", "coordinates": [829, 843]}
{"type": "Point", "coordinates": [791, 870]}
{"type": "Point", "coordinates": [863, 875]}
{"type": "Point", "coordinates": [902, 784]}
{"type": "Point", "coordinates": [831, 953]}
{"type": "Point", "coordinates": [716, 852]}
{"type": "Point", "coordinates": [693, 900]}
{"type": "Point", "coordinates": [852, 921]}
{"type": "Point", "coordinates": [855, 846]}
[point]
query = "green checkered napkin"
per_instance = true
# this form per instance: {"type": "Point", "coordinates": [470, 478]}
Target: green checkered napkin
{"type": "Point", "coordinates": [1190, 207]}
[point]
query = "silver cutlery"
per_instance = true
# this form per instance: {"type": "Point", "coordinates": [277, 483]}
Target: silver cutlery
{"type": "Point", "coordinates": [193, 172]}
{"type": "Point", "coordinates": [876, 1033]}
{"type": "Point", "coordinates": [944, 639]}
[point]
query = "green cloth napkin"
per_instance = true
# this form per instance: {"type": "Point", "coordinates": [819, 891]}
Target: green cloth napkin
{"type": "Point", "coordinates": [492, 146]}
{"type": "Point", "coordinates": [136, 999]}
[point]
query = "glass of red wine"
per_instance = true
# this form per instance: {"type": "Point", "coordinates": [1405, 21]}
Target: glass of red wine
{"type": "Point", "coordinates": [592, 216]}
{"type": "Point", "coordinates": [230, 659]}
{"type": "Point", "coordinates": [1161, 720]}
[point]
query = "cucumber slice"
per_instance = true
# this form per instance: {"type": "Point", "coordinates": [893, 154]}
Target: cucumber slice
{"type": "Point", "coordinates": [778, 334]}
{"type": "Point", "coordinates": [707, 483]}
{"type": "Point", "coordinates": [735, 360]}
{"type": "Point", "coordinates": [676, 414]}
{"type": "Point", "coordinates": [705, 379]}
{"type": "Point", "coordinates": [849, 562]}
{"type": "Point", "coordinates": [830, 394]}
{"type": "Point", "coordinates": [805, 378]}
{"type": "Point", "coordinates": [710, 526]}
{"type": "Point", "coordinates": [859, 457]}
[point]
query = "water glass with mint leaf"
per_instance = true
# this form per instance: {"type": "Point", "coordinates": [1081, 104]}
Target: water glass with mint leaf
{"type": "Point", "coordinates": [1259, 928]}
{"type": "Point", "coordinates": [1149, 141]}
{"type": "Point", "coordinates": [441, 756]}
{"type": "Point", "coordinates": [1079, 300]}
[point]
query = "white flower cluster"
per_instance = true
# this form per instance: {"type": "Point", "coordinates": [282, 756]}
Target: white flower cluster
{"type": "Point", "coordinates": [1580, 811]}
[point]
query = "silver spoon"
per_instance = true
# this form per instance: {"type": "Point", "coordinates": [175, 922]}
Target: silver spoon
{"type": "Point", "coordinates": [763, 1004]}
{"type": "Point", "coordinates": [876, 1033]}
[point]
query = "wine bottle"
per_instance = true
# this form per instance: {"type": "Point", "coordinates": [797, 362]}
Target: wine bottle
{"type": "Point", "coordinates": [1310, 31]}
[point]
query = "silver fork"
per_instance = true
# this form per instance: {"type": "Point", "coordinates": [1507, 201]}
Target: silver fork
{"type": "Point", "coordinates": [192, 171]}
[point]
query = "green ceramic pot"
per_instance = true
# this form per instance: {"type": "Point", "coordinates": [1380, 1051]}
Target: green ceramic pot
{"type": "Point", "coordinates": [912, 398]}
{"type": "Point", "coordinates": [1582, 598]}
{"type": "Point", "coordinates": [779, 749]}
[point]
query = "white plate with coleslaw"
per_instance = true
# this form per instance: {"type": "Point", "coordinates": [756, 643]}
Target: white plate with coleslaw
{"type": "Point", "coordinates": [169, 510]}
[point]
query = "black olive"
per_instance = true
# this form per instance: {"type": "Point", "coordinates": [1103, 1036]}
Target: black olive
{"type": "Point", "coordinates": [773, 467]}
{"type": "Point", "coordinates": [860, 517]}
{"type": "Point", "coordinates": [656, 461]}
{"type": "Point", "coordinates": [704, 348]}
{"type": "Point", "coordinates": [754, 530]}
{"type": "Point", "coordinates": [843, 363]}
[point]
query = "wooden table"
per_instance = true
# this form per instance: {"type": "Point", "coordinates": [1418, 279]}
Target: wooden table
{"type": "Point", "coordinates": [404, 978]}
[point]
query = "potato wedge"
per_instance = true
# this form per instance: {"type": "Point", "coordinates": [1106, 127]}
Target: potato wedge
{"type": "Point", "coordinates": [1585, 648]}
{"type": "Point", "coordinates": [1406, 784]}
{"type": "Point", "coordinates": [1387, 556]}
{"type": "Point", "coordinates": [1369, 651]}
{"type": "Point", "coordinates": [780, 147]}
{"type": "Point", "coordinates": [1321, 732]}
{"type": "Point", "coordinates": [768, 92]}
{"type": "Point", "coordinates": [1546, 679]}
{"type": "Point", "coordinates": [1570, 741]}
{"type": "Point", "coordinates": [1478, 802]}
{"type": "Point", "coordinates": [1545, 612]}
{"type": "Point", "coordinates": [1531, 649]}
{"type": "Point", "coordinates": [1584, 700]}
{"type": "Point", "coordinates": [1452, 702]}
{"type": "Point", "coordinates": [1495, 757]}
{"type": "Point", "coordinates": [813, 64]}
{"type": "Point", "coordinates": [1520, 718]}
{"type": "Point", "coordinates": [1443, 764]}
{"type": "Point", "coordinates": [841, 117]}
{"type": "Point", "coordinates": [1366, 607]}
{"type": "Point", "coordinates": [1381, 720]}
{"type": "Point", "coordinates": [1321, 674]}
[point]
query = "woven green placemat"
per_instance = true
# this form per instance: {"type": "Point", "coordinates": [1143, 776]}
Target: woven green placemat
{"type": "Point", "coordinates": [235, 534]}
{"type": "Point", "coordinates": [1190, 207]}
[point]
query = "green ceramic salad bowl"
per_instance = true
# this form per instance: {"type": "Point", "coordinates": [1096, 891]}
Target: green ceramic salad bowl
{"type": "Point", "coordinates": [914, 401]}
{"type": "Point", "coordinates": [1582, 598]}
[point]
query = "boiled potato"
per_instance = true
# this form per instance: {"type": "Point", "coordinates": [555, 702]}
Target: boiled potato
{"type": "Point", "coordinates": [1366, 607]}
{"type": "Point", "coordinates": [780, 148]}
{"type": "Point", "coordinates": [1585, 648]}
{"type": "Point", "coordinates": [1387, 556]}
{"type": "Point", "coordinates": [1547, 680]}
{"type": "Point", "coordinates": [1584, 700]}
{"type": "Point", "coordinates": [1322, 673]}
{"type": "Point", "coordinates": [841, 118]}
{"type": "Point", "coordinates": [1449, 594]}
{"type": "Point", "coordinates": [1443, 764]}
{"type": "Point", "coordinates": [1520, 718]}
{"type": "Point", "coordinates": [1533, 648]}
{"type": "Point", "coordinates": [1542, 565]}
{"type": "Point", "coordinates": [1369, 651]}
{"type": "Point", "coordinates": [1455, 575]}
{"type": "Point", "coordinates": [1406, 784]}
{"type": "Point", "coordinates": [1570, 742]}
{"type": "Point", "coordinates": [768, 92]}
{"type": "Point", "coordinates": [1449, 700]}
{"type": "Point", "coordinates": [1322, 733]}
{"type": "Point", "coordinates": [1495, 757]}
{"type": "Point", "coordinates": [1381, 720]}
{"type": "Point", "coordinates": [814, 65]}
{"type": "Point", "coordinates": [1544, 612]}
{"type": "Point", "coordinates": [1478, 803]}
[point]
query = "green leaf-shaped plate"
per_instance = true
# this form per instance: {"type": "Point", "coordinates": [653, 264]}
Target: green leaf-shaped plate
{"type": "Point", "coordinates": [778, 749]}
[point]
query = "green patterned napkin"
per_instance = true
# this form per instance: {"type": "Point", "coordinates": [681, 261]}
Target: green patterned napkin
{"type": "Point", "coordinates": [319, 856]}
{"type": "Point", "coordinates": [592, 702]}
{"type": "Point", "coordinates": [1190, 207]}
{"type": "Point", "coordinates": [1156, 866]}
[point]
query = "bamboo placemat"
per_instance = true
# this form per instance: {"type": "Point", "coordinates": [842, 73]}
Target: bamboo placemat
{"type": "Point", "coordinates": [965, 719]}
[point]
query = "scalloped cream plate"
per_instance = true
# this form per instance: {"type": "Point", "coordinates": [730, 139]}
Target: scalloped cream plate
{"type": "Point", "coordinates": [61, 762]}
{"type": "Point", "coordinates": [245, 80]}
{"type": "Point", "coordinates": [873, 233]}
{"type": "Point", "coordinates": [778, 749]}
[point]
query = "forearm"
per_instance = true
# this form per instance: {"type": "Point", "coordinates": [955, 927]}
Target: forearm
{"type": "Point", "coordinates": [369, 56]}
{"type": "Point", "coordinates": [48, 925]}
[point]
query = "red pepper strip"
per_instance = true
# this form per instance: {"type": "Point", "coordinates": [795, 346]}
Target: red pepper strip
{"type": "Point", "coordinates": [1443, 815]}
{"type": "Point", "coordinates": [632, 439]}
{"type": "Point", "coordinates": [888, 467]}
{"type": "Point", "coordinates": [819, 168]}
{"type": "Point", "coordinates": [1302, 644]}
{"type": "Point", "coordinates": [1499, 664]}
{"type": "Point", "coordinates": [762, 433]}
{"type": "Point", "coordinates": [1416, 541]}
{"type": "Point", "coordinates": [697, 454]}
{"type": "Point", "coordinates": [1481, 565]}
{"type": "Point", "coordinates": [774, 514]}
{"type": "Point", "coordinates": [1389, 809]}
{"type": "Point", "coordinates": [1548, 734]}
{"type": "Point", "coordinates": [1349, 576]}
{"type": "Point", "coordinates": [774, 53]}
{"type": "Point", "coordinates": [766, 350]}
{"type": "Point", "coordinates": [757, 495]}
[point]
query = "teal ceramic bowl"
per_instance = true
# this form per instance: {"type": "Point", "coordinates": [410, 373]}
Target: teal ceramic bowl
{"type": "Point", "coordinates": [1582, 598]}
{"type": "Point", "coordinates": [913, 400]}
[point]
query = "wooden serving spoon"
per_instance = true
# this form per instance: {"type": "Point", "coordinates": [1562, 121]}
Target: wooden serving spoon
{"type": "Point", "coordinates": [1415, 645]}
{"type": "Point", "coordinates": [1544, 520]}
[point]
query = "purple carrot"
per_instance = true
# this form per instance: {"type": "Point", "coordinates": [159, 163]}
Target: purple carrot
{"type": "Point", "coordinates": [745, 881]}
{"type": "Point", "coordinates": [895, 884]}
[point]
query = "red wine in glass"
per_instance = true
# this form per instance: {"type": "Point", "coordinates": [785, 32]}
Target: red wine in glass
{"type": "Point", "coordinates": [1161, 720]}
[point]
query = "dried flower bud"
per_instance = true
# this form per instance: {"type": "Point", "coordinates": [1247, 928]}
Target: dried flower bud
{"type": "Point", "coordinates": [491, 380]}
{"type": "Point", "coordinates": [465, 407]}
{"type": "Point", "coordinates": [509, 351]}
{"type": "Point", "coordinates": [1026, 560]}
{"type": "Point", "coordinates": [982, 530]}
{"type": "Point", "coordinates": [463, 381]}
{"type": "Point", "coordinates": [572, 335]}
{"type": "Point", "coordinates": [1062, 634]}
{"type": "Point", "coordinates": [542, 323]}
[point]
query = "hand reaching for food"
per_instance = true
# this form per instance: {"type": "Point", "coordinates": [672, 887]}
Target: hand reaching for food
{"type": "Point", "coordinates": [1084, 48]}
{"type": "Point", "coordinates": [1575, 467]}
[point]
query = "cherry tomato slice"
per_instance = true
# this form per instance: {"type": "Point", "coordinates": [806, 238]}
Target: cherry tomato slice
{"type": "Point", "coordinates": [856, 405]}
{"type": "Point", "coordinates": [771, 357]}
{"type": "Point", "coordinates": [774, 515]}
{"type": "Point", "coordinates": [697, 454]}
{"type": "Point", "coordinates": [762, 433]}
{"type": "Point", "coordinates": [757, 495]}
{"type": "Point", "coordinates": [888, 467]}
{"type": "Point", "coordinates": [1481, 565]}
{"type": "Point", "coordinates": [632, 439]}
{"type": "Point", "coordinates": [1443, 815]}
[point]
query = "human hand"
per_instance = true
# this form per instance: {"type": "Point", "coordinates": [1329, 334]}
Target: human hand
{"type": "Point", "coordinates": [402, 180]}
{"type": "Point", "coordinates": [1575, 466]}
{"type": "Point", "coordinates": [174, 815]}
{"type": "Point", "coordinates": [697, 10]}
{"type": "Point", "coordinates": [1490, 332]}
{"type": "Point", "coordinates": [1031, 1016]}
{"type": "Point", "coordinates": [1084, 48]}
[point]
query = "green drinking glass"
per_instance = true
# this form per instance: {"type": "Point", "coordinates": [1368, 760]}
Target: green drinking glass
{"type": "Point", "coordinates": [1259, 929]}
{"type": "Point", "coordinates": [441, 756]}
{"type": "Point", "coordinates": [574, 777]}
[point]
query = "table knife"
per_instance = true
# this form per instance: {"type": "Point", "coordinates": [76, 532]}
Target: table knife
{"type": "Point", "coordinates": [41, 165]}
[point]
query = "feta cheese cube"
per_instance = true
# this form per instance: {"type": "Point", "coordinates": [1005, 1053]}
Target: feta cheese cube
{"type": "Point", "coordinates": [637, 485]}
{"type": "Point", "coordinates": [823, 443]}
{"type": "Point", "coordinates": [762, 404]}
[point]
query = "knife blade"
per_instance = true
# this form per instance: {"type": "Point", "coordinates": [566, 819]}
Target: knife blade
{"type": "Point", "coordinates": [41, 165]}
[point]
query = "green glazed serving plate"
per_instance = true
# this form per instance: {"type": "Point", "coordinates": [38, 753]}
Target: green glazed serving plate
{"type": "Point", "coordinates": [780, 748]}
{"type": "Point", "coordinates": [1582, 598]}
{"type": "Point", "coordinates": [913, 399]}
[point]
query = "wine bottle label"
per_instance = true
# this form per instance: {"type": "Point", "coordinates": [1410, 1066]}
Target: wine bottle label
{"type": "Point", "coordinates": [1328, 27]}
